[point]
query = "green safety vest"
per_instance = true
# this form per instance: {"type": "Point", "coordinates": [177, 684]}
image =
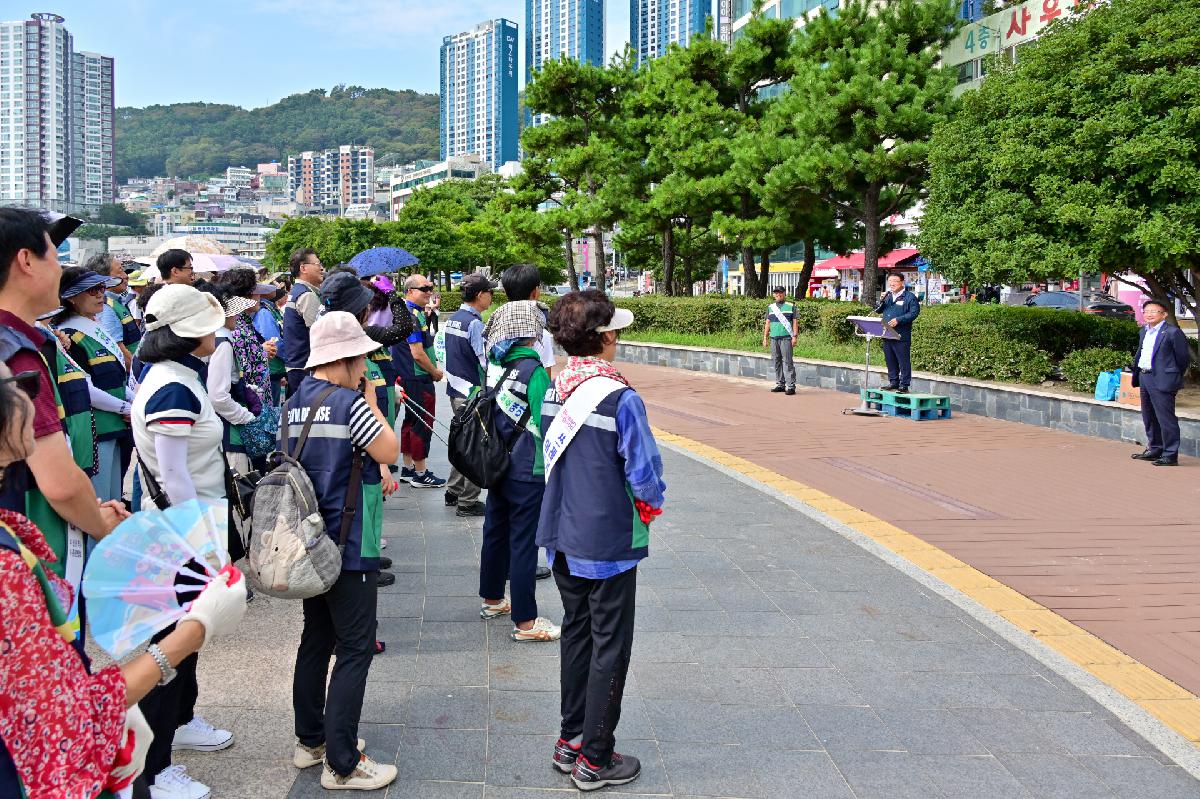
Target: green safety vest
{"type": "Point", "coordinates": [78, 419]}
{"type": "Point", "coordinates": [385, 395]}
{"type": "Point", "coordinates": [108, 375]}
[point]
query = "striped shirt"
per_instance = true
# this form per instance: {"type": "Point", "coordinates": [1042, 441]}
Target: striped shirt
{"type": "Point", "coordinates": [364, 427]}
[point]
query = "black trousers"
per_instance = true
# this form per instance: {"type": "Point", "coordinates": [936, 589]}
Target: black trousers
{"type": "Point", "coordinates": [342, 622]}
{"type": "Point", "coordinates": [899, 364]}
{"type": "Point", "coordinates": [597, 638]}
{"type": "Point", "coordinates": [508, 552]}
{"type": "Point", "coordinates": [168, 707]}
{"type": "Point", "coordinates": [1158, 417]}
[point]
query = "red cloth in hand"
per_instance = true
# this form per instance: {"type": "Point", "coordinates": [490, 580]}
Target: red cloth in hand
{"type": "Point", "coordinates": [646, 511]}
{"type": "Point", "coordinates": [124, 758]}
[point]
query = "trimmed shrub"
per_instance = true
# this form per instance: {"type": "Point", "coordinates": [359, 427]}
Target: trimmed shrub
{"type": "Point", "coordinates": [1056, 332]}
{"type": "Point", "coordinates": [983, 356]}
{"type": "Point", "coordinates": [1081, 368]}
{"type": "Point", "coordinates": [833, 324]}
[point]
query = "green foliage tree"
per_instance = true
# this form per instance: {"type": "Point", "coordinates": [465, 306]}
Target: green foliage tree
{"type": "Point", "coordinates": [204, 138]}
{"type": "Point", "coordinates": [575, 144]}
{"type": "Point", "coordinates": [115, 214]}
{"type": "Point", "coordinates": [1082, 157]}
{"type": "Point", "coordinates": [855, 126]}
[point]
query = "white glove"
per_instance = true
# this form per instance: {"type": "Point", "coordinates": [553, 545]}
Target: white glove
{"type": "Point", "coordinates": [135, 724]}
{"type": "Point", "coordinates": [220, 606]}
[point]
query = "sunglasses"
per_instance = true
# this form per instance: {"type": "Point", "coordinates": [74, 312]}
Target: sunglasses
{"type": "Point", "coordinates": [425, 288]}
{"type": "Point", "coordinates": [29, 382]}
{"type": "Point", "coordinates": [95, 291]}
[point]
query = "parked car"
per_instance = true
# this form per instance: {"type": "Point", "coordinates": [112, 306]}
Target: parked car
{"type": "Point", "coordinates": [1099, 304]}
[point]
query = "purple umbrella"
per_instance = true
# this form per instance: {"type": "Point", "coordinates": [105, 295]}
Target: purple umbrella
{"type": "Point", "coordinates": [382, 260]}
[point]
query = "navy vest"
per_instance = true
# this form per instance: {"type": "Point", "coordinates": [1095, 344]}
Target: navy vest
{"type": "Point", "coordinates": [587, 510]}
{"type": "Point", "coordinates": [521, 457]}
{"type": "Point", "coordinates": [327, 458]}
{"type": "Point", "coordinates": [295, 346]}
{"type": "Point", "coordinates": [461, 361]}
{"type": "Point", "coordinates": [231, 438]}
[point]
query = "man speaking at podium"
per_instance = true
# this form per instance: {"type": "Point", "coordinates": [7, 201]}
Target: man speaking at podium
{"type": "Point", "coordinates": [899, 307]}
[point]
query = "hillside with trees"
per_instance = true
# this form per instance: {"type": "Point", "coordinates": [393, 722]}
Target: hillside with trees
{"type": "Point", "coordinates": [188, 139]}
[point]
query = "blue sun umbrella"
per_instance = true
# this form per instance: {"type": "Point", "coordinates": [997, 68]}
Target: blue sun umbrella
{"type": "Point", "coordinates": [382, 260]}
{"type": "Point", "coordinates": [136, 574]}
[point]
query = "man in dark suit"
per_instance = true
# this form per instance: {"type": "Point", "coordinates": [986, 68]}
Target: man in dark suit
{"type": "Point", "coordinates": [1159, 365]}
{"type": "Point", "coordinates": [899, 308]}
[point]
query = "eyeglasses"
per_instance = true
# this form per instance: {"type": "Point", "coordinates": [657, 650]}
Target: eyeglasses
{"type": "Point", "coordinates": [95, 291]}
{"type": "Point", "coordinates": [29, 382]}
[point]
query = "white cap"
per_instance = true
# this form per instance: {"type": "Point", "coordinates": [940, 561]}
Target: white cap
{"type": "Point", "coordinates": [337, 335]}
{"type": "Point", "coordinates": [621, 318]}
{"type": "Point", "coordinates": [189, 312]}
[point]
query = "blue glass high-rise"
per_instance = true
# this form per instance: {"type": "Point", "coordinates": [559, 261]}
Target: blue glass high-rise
{"type": "Point", "coordinates": [480, 116]}
{"type": "Point", "coordinates": [558, 28]}
{"type": "Point", "coordinates": [656, 24]}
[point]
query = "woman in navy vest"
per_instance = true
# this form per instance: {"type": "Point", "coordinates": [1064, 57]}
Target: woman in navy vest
{"type": "Point", "coordinates": [603, 488]}
{"type": "Point", "coordinates": [510, 520]}
{"type": "Point", "coordinates": [345, 446]}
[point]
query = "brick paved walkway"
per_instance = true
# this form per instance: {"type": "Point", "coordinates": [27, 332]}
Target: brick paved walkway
{"type": "Point", "coordinates": [773, 659]}
{"type": "Point", "coordinates": [1110, 544]}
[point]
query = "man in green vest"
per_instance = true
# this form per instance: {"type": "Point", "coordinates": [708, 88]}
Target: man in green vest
{"type": "Point", "coordinates": [56, 493]}
{"type": "Point", "coordinates": [779, 335]}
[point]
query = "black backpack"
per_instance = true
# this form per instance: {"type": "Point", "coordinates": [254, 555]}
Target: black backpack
{"type": "Point", "coordinates": [475, 447]}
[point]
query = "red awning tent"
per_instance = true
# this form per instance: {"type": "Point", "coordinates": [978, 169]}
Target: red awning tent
{"type": "Point", "coordinates": [896, 259]}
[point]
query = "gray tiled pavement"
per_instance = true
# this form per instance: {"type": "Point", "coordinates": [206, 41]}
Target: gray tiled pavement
{"type": "Point", "coordinates": [773, 659]}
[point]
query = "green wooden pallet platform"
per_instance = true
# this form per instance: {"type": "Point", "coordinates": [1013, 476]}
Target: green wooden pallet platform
{"type": "Point", "coordinates": [920, 407]}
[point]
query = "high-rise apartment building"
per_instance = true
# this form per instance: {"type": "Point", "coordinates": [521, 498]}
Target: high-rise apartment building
{"type": "Point", "coordinates": [332, 179]}
{"type": "Point", "coordinates": [558, 28]}
{"type": "Point", "coordinates": [56, 119]}
{"type": "Point", "coordinates": [654, 25]}
{"type": "Point", "coordinates": [479, 93]}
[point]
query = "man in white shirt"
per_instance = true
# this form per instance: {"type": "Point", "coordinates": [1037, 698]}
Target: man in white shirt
{"type": "Point", "coordinates": [1162, 359]}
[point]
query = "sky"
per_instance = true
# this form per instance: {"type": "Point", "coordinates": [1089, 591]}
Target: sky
{"type": "Point", "coordinates": [253, 52]}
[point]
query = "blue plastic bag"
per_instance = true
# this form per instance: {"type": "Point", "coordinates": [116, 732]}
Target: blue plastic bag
{"type": "Point", "coordinates": [1108, 384]}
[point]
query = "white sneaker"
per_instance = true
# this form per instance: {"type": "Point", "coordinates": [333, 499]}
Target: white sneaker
{"type": "Point", "coordinates": [305, 756]}
{"type": "Point", "coordinates": [368, 776]}
{"type": "Point", "coordinates": [542, 630]}
{"type": "Point", "coordinates": [173, 782]}
{"type": "Point", "coordinates": [201, 736]}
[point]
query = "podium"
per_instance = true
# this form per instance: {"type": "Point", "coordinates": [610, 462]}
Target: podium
{"type": "Point", "coordinates": [868, 327]}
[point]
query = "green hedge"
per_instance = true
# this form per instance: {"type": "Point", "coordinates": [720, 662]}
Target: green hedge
{"type": "Point", "coordinates": [985, 342]}
{"type": "Point", "coordinates": [1082, 367]}
{"type": "Point", "coordinates": [983, 356]}
{"type": "Point", "coordinates": [1056, 332]}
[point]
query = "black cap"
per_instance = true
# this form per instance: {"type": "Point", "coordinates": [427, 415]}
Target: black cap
{"type": "Point", "coordinates": [342, 291]}
{"type": "Point", "coordinates": [61, 226]}
{"type": "Point", "coordinates": [477, 282]}
{"type": "Point", "coordinates": [779, 290]}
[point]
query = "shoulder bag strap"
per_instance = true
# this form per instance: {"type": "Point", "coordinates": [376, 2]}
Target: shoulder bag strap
{"type": "Point", "coordinates": [153, 489]}
{"type": "Point", "coordinates": [308, 423]}
{"type": "Point", "coordinates": [350, 506]}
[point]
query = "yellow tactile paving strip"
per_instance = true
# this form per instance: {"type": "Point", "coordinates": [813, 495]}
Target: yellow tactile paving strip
{"type": "Point", "coordinates": [1174, 706]}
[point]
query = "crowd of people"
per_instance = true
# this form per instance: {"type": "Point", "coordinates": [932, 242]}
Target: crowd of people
{"type": "Point", "coordinates": [121, 395]}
